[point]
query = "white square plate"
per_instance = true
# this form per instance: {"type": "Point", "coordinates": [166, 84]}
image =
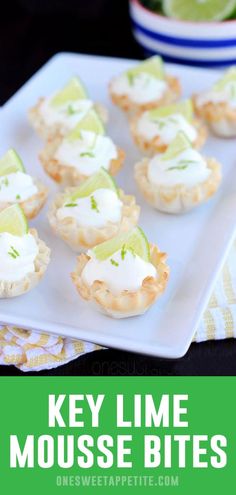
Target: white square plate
{"type": "Point", "coordinates": [197, 243]}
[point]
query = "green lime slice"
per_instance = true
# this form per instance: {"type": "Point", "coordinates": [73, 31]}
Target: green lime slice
{"type": "Point", "coordinates": [100, 180]}
{"type": "Point", "coordinates": [184, 108]}
{"type": "Point", "coordinates": [90, 122]}
{"type": "Point", "coordinates": [73, 90]}
{"type": "Point", "coordinates": [228, 77]}
{"type": "Point", "coordinates": [10, 163]}
{"type": "Point", "coordinates": [153, 66]}
{"type": "Point", "coordinates": [199, 10]}
{"type": "Point", "coordinates": [178, 145]}
{"type": "Point", "coordinates": [13, 221]}
{"type": "Point", "coordinates": [135, 241]}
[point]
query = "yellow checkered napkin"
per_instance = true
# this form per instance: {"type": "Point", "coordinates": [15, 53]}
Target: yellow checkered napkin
{"type": "Point", "coordinates": [31, 351]}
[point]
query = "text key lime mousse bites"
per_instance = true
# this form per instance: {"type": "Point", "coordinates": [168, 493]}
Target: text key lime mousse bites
{"type": "Point", "coordinates": [153, 130]}
{"type": "Point", "coordinates": [58, 113]}
{"type": "Point", "coordinates": [16, 186]}
{"type": "Point", "coordinates": [23, 256]}
{"type": "Point", "coordinates": [72, 159]}
{"type": "Point", "coordinates": [217, 106]}
{"type": "Point", "coordinates": [144, 86]}
{"type": "Point", "coordinates": [95, 211]}
{"type": "Point", "coordinates": [179, 179]}
{"type": "Point", "coordinates": [122, 277]}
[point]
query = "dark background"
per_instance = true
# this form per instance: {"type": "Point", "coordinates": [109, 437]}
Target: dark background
{"type": "Point", "coordinates": [31, 31]}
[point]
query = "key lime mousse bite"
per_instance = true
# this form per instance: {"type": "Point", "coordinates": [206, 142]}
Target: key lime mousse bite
{"type": "Point", "coordinates": [179, 179]}
{"type": "Point", "coordinates": [153, 130]}
{"type": "Point", "coordinates": [80, 154]}
{"type": "Point", "coordinates": [23, 256]}
{"type": "Point", "coordinates": [217, 106]}
{"type": "Point", "coordinates": [16, 186]}
{"type": "Point", "coordinates": [95, 211]}
{"type": "Point", "coordinates": [144, 86]}
{"type": "Point", "coordinates": [123, 276]}
{"type": "Point", "coordinates": [60, 112]}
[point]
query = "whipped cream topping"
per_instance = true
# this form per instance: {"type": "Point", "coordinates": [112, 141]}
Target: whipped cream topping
{"type": "Point", "coordinates": [16, 187]}
{"type": "Point", "coordinates": [67, 115]}
{"type": "Point", "coordinates": [166, 128]}
{"type": "Point", "coordinates": [95, 210]}
{"type": "Point", "coordinates": [17, 256]}
{"type": "Point", "coordinates": [118, 272]}
{"type": "Point", "coordinates": [88, 153]}
{"type": "Point", "coordinates": [188, 168]}
{"type": "Point", "coordinates": [140, 88]}
{"type": "Point", "coordinates": [225, 95]}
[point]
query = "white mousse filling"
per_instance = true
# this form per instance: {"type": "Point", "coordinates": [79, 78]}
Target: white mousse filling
{"type": "Point", "coordinates": [17, 256]}
{"type": "Point", "coordinates": [67, 115]}
{"type": "Point", "coordinates": [95, 210]}
{"type": "Point", "coordinates": [225, 95]}
{"type": "Point", "coordinates": [166, 128]}
{"type": "Point", "coordinates": [16, 187]}
{"type": "Point", "coordinates": [189, 168]}
{"type": "Point", "coordinates": [119, 272]}
{"type": "Point", "coordinates": [140, 88]}
{"type": "Point", "coordinates": [88, 153]}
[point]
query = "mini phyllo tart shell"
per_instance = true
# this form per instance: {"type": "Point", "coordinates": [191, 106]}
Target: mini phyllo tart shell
{"type": "Point", "coordinates": [156, 145]}
{"type": "Point", "coordinates": [171, 94]}
{"type": "Point", "coordinates": [126, 303]}
{"type": "Point", "coordinates": [50, 131]}
{"type": "Point", "coordinates": [13, 289]}
{"type": "Point", "coordinates": [220, 117]}
{"type": "Point", "coordinates": [178, 198]}
{"type": "Point", "coordinates": [82, 238]}
{"type": "Point", "coordinates": [68, 175]}
{"type": "Point", "coordinates": [31, 206]}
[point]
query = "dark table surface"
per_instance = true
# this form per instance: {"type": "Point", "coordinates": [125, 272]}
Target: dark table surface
{"type": "Point", "coordinates": [30, 33]}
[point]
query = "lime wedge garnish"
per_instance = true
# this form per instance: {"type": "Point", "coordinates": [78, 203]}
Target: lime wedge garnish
{"type": "Point", "coordinates": [100, 180]}
{"type": "Point", "coordinates": [228, 77]}
{"type": "Point", "coordinates": [177, 146]}
{"type": "Point", "coordinates": [91, 122]}
{"type": "Point", "coordinates": [10, 163]}
{"type": "Point", "coordinates": [13, 221]}
{"type": "Point", "coordinates": [135, 241]}
{"type": "Point", "coordinates": [199, 10]}
{"type": "Point", "coordinates": [153, 66]}
{"type": "Point", "coordinates": [184, 108]}
{"type": "Point", "coordinates": [72, 91]}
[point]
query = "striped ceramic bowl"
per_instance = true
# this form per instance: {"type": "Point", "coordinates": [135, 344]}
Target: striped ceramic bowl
{"type": "Point", "coordinates": [204, 44]}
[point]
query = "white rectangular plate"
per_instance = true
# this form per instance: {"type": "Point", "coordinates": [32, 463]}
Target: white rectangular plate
{"type": "Point", "coordinates": [196, 243]}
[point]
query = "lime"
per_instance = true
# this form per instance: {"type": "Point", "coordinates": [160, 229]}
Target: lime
{"type": "Point", "coordinates": [135, 241]}
{"type": "Point", "coordinates": [72, 91]}
{"type": "Point", "coordinates": [178, 145]}
{"type": "Point", "coordinates": [13, 221]}
{"type": "Point", "coordinates": [100, 180]}
{"type": "Point", "coordinates": [10, 163]}
{"type": "Point", "coordinates": [152, 66]}
{"type": "Point", "coordinates": [90, 122]}
{"type": "Point", "coordinates": [184, 108]}
{"type": "Point", "coordinates": [199, 10]}
{"type": "Point", "coordinates": [228, 77]}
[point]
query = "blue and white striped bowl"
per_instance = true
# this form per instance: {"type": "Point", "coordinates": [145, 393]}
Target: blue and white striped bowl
{"type": "Point", "coordinates": [208, 44]}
